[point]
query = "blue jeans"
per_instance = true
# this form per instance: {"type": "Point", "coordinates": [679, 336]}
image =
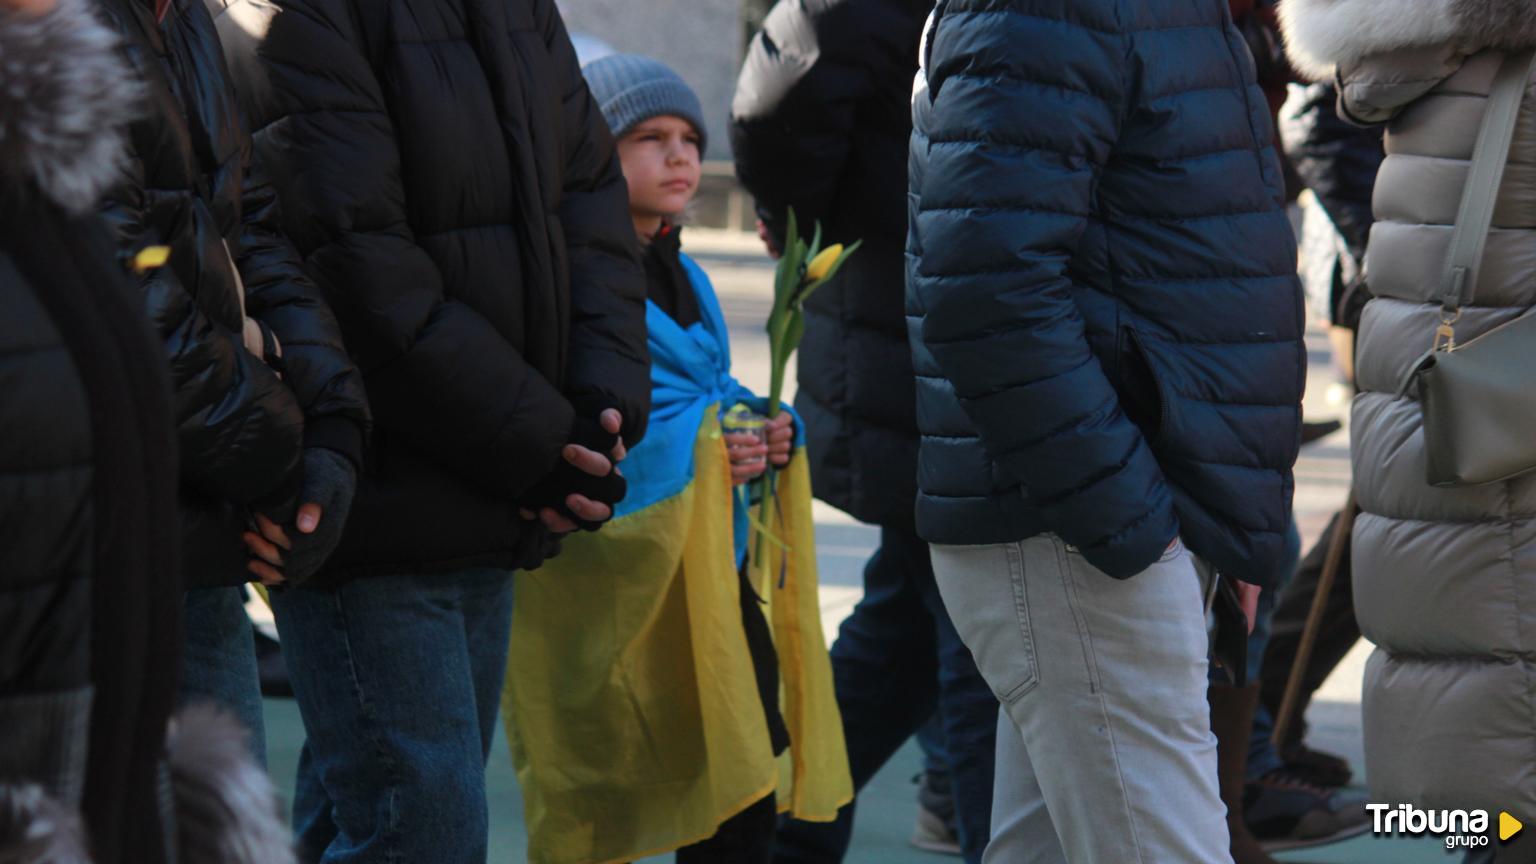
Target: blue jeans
{"type": "Point", "coordinates": [896, 659]}
{"type": "Point", "coordinates": [398, 679]}
{"type": "Point", "coordinates": [931, 739]}
{"type": "Point", "coordinates": [218, 659]}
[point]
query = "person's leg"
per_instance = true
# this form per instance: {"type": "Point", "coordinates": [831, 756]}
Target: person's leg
{"type": "Point", "coordinates": [1263, 756]}
{"type": "Point", "coordinates": [884, 671]}
{"type": "Point", "coordinates": [1242, 742]}
{"type": "Point", "coordinates": [930, 737]}
{"type": "Point", "coordinates": [1105, 680]}
{"type": "Point", "coordinates": [313, 827]}
{"type": "Point", "coordinates": [385, 678]}
{"type": "Point", "coordinates": [1337, 635]}
{"type": "Point", "coordinates": [1270, 806]}
{"type": "Point", "coordinates": [1239, 743]}
{"type": "Point", "coordinates": [746, 838]}
{"type": "Point", "coordinates": [934, 828]}
{"type": "Point", "coordinates": [1022, 832]}
{"type": "Point", "coordinates": [969, 712]}
{"type": "Point", "coordinates": [487, 631]}
{"type": "Point", "coordinates": [218, 660]}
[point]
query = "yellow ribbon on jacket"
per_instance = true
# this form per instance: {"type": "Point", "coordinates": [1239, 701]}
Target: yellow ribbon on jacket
{"type": "Point", "coordinates": [631, 702]}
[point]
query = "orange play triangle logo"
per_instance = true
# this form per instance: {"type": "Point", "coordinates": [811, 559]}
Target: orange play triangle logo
{"type": "Point", "coordinates": [1509, 826]}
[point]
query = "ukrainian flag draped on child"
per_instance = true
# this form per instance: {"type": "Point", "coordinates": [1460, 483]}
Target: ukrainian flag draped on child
{"type": "Point", "coordinates": [631, 705]}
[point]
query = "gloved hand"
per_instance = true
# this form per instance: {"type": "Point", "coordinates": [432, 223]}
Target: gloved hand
{"type": "Point", "coordinates": [567, 479]}
{"type": "Point", "coordinates": [301, 547]}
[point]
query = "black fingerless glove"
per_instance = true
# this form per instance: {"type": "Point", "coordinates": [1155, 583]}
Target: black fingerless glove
{"type": "Point", "coordinates": [587, 429]}
{"type": "Point", "coordinates": [566, 479]}
{"type": "Point", "coordinates": [330, 480]}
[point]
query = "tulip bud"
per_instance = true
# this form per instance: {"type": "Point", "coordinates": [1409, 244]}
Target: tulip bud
{"type": "Point", "coordinates": [150, 257]}
{"type": "Point", "coordinates": [817, 269]}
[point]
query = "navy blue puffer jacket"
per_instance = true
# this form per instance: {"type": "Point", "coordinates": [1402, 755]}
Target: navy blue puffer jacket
{"type": "Point", "coordinates": [1102, 292]}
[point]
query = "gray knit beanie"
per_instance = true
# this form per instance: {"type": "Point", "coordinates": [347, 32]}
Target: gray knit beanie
{"type": "Point", "coordinates": [632, 89]}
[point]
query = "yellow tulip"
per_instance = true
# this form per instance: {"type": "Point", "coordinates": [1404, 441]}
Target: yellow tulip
{"type": "Point", "coordinates": [817, 269]}
{"type": "Point", "coordinates": [151, 257]}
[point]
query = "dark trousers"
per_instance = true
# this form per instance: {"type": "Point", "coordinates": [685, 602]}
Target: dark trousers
{"type": "Point", "coordinates": [1339, 632]}
{"type": "Point", "coordinates": [896, 660]}
{"type": "Point", "coordinates": [746, 838]}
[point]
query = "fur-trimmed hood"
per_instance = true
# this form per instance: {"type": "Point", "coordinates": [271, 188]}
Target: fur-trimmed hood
{"type": "Point", "coordinates": [65, 98]}
{"type": "Point", "coordinates": [1323, 34]}
{"type": "Point", "coordinates": [225, 810]}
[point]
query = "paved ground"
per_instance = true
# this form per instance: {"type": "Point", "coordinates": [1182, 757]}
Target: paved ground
{"type": "Point", "coordinates": [742, 279]}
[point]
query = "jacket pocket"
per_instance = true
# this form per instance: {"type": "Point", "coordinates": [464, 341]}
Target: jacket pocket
{"type": "Point", "coordinates": [1142, 394]}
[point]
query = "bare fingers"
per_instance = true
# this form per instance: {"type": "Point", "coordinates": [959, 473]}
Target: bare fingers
{"type": "Point", "coordinates": [586, 508]}
{"type": "Point", "coordinates": [781, 438]}
{"type": "Point", "coordinates": [265, 573]}
{"type": "Point", "coordinates": [261, 548]}
{"type": "Point", "coordinates": [589, 461]}
{"type": "Point", "coordinates": [556, 523]}
{"type": "Point", "coordinates": [273, 532]}
{"type": "Point", "coordinates": [746, 472]}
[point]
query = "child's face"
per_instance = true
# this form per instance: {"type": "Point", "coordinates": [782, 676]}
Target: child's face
{"type": "Point", "coordinates": [661, 163]}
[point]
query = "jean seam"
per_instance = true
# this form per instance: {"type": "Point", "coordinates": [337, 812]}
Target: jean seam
{"type": "Point", "coordinates": [371, 725]}
{"type": "Point", "coordinates": [1085, 634]}
{"type": "Point", "coordinates": [1084, 637]}
{"type": "Point", "coordinates": [1015, 555]}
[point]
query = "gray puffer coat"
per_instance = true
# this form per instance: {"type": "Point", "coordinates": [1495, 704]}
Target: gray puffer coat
{"type": "Point", "coordinates": [1445, 578]}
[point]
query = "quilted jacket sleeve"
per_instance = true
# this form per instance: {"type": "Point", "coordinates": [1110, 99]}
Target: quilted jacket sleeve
{"type": "Point", "coordinates": [1003, 203]}
{"type": "Point", "coordinates": [439, 375]}
{"type": "Point", "coordinates": [238, 426]}
{"type": "Point", "coordinates": [609, 363]}
{"type": "Point", "coordinates": [280, 295]}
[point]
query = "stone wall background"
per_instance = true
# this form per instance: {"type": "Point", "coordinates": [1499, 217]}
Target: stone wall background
{"type": "Point", "coordinates": [701, 39]}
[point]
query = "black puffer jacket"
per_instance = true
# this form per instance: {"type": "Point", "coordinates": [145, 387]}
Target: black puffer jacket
{"type": "Point", "coordinates": [90, 581]}
{"type": "Point", "coordinates": [1105, 312]}
{"type": "Point", "coordinates": [1336, 159]}
{"type": "Point", "coordinates": [820, 124]}
{"type": "Point", "coordinates": [453, 185]}
{"type": "Point", "coordinates": [90, 591]}
{"type": "Point", "coordinates": [193, 184]}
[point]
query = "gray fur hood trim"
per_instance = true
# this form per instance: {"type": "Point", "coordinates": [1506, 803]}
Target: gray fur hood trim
{"type": "Point", "coordinates": [226, 809]}
{"type": "Point", "coordinates": [1323, 34]}
{"type": "Point", "coordinates": [36, 829]}
{"type": "Point", "coordinates": [65, 96]}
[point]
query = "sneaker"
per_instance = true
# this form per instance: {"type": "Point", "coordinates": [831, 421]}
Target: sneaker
{"type": "Point", "coordinates": [934, 830]}
{"type": "Point", "coordinates": [1286, 812]}
{"type": "Point", "coordinates": [1316, 767]}
{"type": "Point", "coordinates": [932, 834]}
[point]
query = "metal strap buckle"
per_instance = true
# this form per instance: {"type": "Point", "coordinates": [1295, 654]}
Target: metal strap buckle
{"type": "Point", "coordinates": [1445, 338]}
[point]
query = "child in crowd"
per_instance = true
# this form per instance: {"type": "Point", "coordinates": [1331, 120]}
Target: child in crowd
{"type": "Point", "coordinates": [657, 675]}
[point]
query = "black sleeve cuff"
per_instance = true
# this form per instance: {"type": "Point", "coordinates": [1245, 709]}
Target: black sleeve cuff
{"type": "Point", "coordinates": [336, 433]}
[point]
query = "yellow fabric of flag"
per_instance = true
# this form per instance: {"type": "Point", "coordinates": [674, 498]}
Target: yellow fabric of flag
{"type": "Point", "coordinates": [631, 704]}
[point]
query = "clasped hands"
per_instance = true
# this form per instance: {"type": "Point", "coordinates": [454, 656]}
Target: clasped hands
{"type": "Point", "coordinates": [582, 489]}
{"type": "Point", "coordinates": [750, 454]}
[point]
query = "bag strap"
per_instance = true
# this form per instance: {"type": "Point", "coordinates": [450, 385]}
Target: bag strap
{"type": "Point", "coordinates": [1475, 216]}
